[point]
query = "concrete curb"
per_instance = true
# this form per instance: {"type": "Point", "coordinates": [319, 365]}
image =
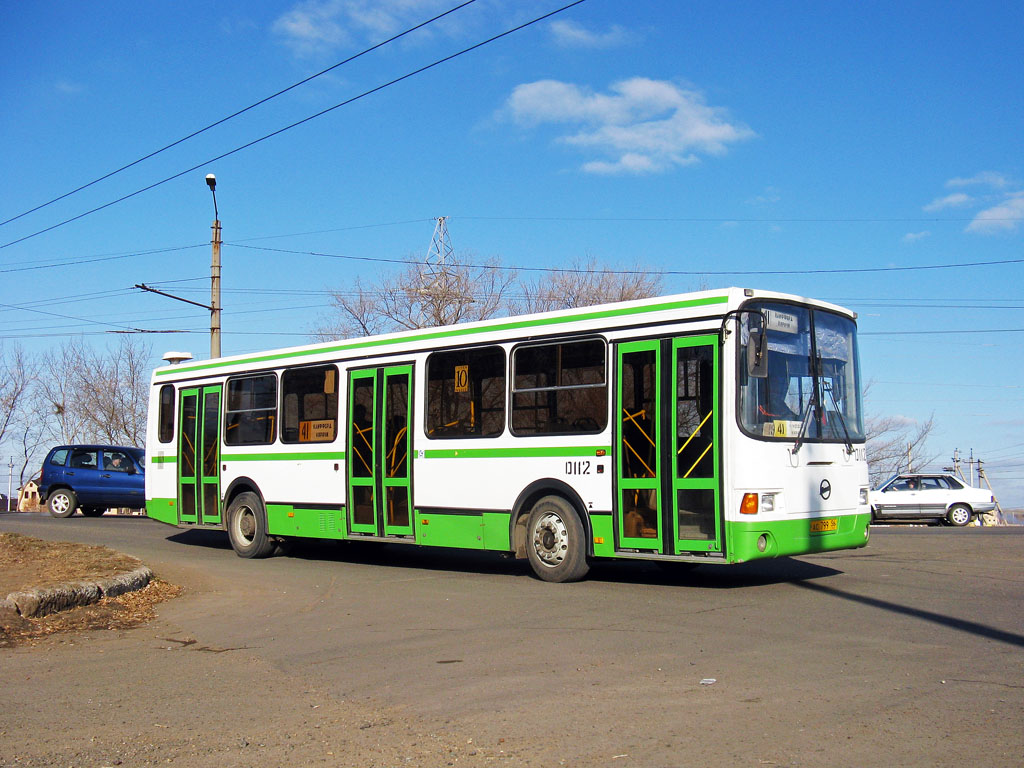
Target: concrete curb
{"type": "Point", "coordinates": [41, 602]}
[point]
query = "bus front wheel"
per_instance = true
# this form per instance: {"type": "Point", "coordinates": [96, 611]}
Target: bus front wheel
{"type": "Point", "coordinates": [556, 541]}
{"type": "Point", "coordinates": [247, 527]}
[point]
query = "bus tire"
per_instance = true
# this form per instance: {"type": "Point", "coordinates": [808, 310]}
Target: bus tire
{"type": "Point", "coordinates": [959, 515]}
{"type": "Point", "coordinates": [556, 541]}
{"type": "Point", "coordinates": [62, 503]}
{"type": "Point", "coordinates": [247, 527]}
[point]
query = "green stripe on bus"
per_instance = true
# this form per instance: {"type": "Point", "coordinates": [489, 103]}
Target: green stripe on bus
{"type": "Point", "coordinates": [163, 459]}
{"type": "Point", "coordinates": [511, 325]}
{"type": "Point", "coordinates": [510, 453]}
{"type": "Point", "coordinates": [310, 456]}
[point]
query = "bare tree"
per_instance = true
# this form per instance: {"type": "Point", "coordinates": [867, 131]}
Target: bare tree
{"type": "Point", "coordinates": [55, 399]}
{"type": "Point", "coordinates": [97, 395]}
{"type": "Point", "coordinates": [17, 373]}
{"type": "Point", "coordinates": [584, 283]}
{"type": "Point", "coordinates": [895, 444]}
{"type": "Point", "coordinates": [418, 297]}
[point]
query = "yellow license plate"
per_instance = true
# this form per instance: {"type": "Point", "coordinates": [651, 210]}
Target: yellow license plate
{"type": "Point", "coordinates": [825, 526]}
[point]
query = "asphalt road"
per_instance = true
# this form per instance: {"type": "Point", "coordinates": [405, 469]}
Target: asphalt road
{"type": "Point", "coordinates": [908, 652]}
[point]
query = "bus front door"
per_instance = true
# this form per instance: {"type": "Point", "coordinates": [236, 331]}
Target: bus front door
{"type": "Point", "coordinates": [199, 455]}
{"type": "Point", "coordinates": [378, 452]}
{"type": "Point", "coordinates": [667, 446]}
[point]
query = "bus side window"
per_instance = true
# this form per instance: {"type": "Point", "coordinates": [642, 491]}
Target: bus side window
{"type": "Point", "coordinates": [466, 393]}
{"type": "Point", "coordinates": [251, 413]}
{"type": "Point", "coordinates": [309, 404]}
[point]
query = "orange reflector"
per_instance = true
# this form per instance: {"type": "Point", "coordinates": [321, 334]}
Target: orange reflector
{"type": "Point", "coordinates": [599, 539]}
{"type": "Point", "coordinates": [601, 452]}
{"type": "Point", "coordinates": [291, 514]}
{"type": "Point", "coordinates": [749, 504]}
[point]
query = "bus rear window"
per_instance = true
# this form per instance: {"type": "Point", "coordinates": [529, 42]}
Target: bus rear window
{"type": "Point", "coordinates": [166, 418]}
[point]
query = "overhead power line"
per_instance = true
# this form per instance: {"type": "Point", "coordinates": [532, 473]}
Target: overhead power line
{"type": "Point", "coordinates": [233, 115]}
{"type": "Point", "coordinates": [321, 113]}
{"type": "Point", "coordinates": [677, 272]}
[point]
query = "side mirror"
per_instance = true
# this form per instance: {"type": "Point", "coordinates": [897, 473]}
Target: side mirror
{"type": "Point", "coordinates": [757, 360]}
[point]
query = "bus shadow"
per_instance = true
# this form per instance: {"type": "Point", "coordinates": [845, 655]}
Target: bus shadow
{"type": "Point", "coordinates": [760, 573]}
{"type": "Point", "coordinates": [199, 537]}
{"type": "Point", "coordinates": [469, 561]}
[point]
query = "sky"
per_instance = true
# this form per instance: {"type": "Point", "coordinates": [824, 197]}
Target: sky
{"type": "Point", "coordinates": [869, 154]}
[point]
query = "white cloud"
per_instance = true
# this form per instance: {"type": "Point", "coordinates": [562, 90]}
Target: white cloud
{"type": "Point", "coordinates": [572, 35]}
{"type": "Point", "coordinates": [770, 196]}
{"type": "Point", "coordinates": [1004, 217]}
{"type": "Point", "coordinates": [315, 27]}
{"type": "Point", "coordinates": [68, 87]}
{"type": "Point", "coordinates": [956, 200]}
{"type": "Point", "coordinates": [985, 178]}
{"type": "Point", "coordinates": [639, 126]}
{"type": "Point", "coordinates": [913, 237]}
{"type": "Point", "coordinates": [999, 196]}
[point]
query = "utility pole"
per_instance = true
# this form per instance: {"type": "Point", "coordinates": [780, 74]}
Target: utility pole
{"type": "Point", "coordinates": [215, 243]}
{"type": "Point", "coordinates": [1000, 518]}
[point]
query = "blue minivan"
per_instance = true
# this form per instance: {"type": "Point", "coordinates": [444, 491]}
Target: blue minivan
{"type": "Point", "coordinates": [93, 477]}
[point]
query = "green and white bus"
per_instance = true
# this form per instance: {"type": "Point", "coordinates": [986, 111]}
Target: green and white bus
{"type": "Point", "coordinates": [712, 427]}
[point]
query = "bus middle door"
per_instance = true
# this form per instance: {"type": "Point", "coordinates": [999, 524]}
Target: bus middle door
{"type": "Point", "coordinates": [667, 446]}
{"type": "Point", "coordinates": [378, 448]}
{"type": "Point", "coordinates": [199, 455]}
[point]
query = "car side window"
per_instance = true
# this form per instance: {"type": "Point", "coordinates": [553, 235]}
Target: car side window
{"type": "Point", "coordinates": [930, 484]}
{"type": "Point", "coordinates": [84, 458]}
{"type": "Point", "coordinates": [116, 461]}
{"type": "Point", "coordinates": [60, 458]}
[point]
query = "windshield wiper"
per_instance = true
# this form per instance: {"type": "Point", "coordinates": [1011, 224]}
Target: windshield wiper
{"type": "Point", "coordinates": [827, 386]}
{"type": "Point", "coordinates": [804, 421]}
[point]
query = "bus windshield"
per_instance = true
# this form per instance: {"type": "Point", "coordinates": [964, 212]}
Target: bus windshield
{"type": "Point", "coordinates": [806, 387]}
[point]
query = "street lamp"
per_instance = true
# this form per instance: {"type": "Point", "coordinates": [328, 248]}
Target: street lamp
{"type": "Point", "coordinates": [215, 241]}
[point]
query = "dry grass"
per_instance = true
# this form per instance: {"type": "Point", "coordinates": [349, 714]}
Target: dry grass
{"type": "Point", "coordinates": [26, 562]}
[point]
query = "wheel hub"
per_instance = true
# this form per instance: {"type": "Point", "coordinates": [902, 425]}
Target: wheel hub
{"type": "Point", "coordinates": [247, 524]}
{"type": "Point", "coordinates": [551, 539]}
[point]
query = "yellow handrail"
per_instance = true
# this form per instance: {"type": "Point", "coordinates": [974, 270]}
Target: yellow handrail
{"type": "Point", "coordinates": [699, 426]}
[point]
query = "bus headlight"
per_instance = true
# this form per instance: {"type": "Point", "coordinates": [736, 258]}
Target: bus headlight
{"type": "Point", "coordinates": [864, 496]}
{"type": "Point", "coordinates": [768, 502]}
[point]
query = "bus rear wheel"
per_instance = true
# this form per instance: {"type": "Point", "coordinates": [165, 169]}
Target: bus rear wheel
{"type": "Point", "coordinates": [555, 541]}
{"type": "Point", "coordinates": [247, 526]}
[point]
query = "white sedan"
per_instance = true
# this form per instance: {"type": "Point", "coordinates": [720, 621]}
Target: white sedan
{"type": "Point", "coordinates": [929, 496]}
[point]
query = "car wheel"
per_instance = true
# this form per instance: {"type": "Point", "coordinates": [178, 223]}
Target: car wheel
{"type": "Point", "coordinates": [93, 511]}
{"type": "Point", "coordinates": [959, 515]}
{"type": "Point", "coordinates": [247, 527]}
{"type": "Point", "coordinates": [555, 541]}
{"type": "Point", "coordinates": [62, 502]}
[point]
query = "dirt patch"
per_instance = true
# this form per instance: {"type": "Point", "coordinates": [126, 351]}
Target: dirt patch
{"type": "Point", "coordinates": [27, 563]}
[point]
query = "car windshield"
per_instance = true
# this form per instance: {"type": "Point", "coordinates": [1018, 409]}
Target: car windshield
{"type": "Point", "coordinates": [810, 389]}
